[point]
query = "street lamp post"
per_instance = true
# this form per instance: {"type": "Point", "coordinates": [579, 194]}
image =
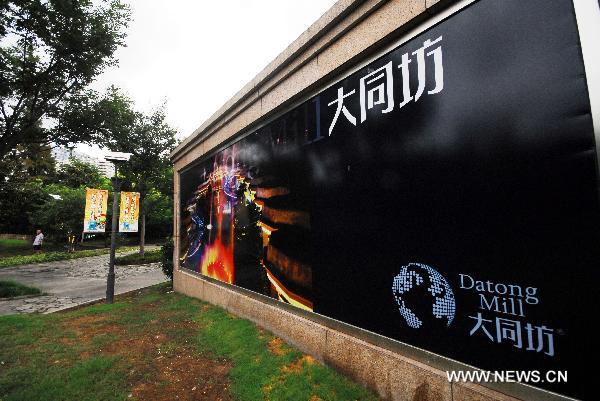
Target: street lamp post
{"type": "Point", "coordinates": [115, 158]}
{"type": "Point", "coordinates": [110, 281]}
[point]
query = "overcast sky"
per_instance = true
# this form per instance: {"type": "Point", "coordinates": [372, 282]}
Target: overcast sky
{"type": "Point", "coordinates": [198, 54]}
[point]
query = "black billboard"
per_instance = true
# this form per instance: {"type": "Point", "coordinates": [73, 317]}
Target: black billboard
{"type": "Point", "coordinates": [445, 195]}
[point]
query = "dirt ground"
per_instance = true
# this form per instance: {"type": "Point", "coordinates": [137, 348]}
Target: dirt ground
{"type": "Point", "coordinates": [175, 369]}
{"type": "Point", "coordinates": [157, 345]}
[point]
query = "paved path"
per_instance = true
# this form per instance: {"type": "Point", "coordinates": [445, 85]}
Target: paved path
{"type": "Point", "coordinates": [69, 283]}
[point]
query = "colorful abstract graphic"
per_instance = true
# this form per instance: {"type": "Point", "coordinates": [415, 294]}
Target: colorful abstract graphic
{"type": "Point", "coordinates": [230, 222]}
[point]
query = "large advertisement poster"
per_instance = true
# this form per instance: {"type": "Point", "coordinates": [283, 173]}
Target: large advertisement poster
{"type": "Point", "coordinates": [445, 195]}
{"type": "Point", "coordinates": [94, 219]}
{"type": "Point", "coordinates": [129, 212]}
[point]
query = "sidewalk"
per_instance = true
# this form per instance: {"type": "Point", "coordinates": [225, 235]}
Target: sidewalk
{"type": "Point", "coordinates": [69, 283]}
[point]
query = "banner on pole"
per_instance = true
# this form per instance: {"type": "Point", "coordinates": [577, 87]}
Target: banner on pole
{"type": "Point", "coordinates": [129, 212]}
{"type": "Point", "coordinates": [94, 220]}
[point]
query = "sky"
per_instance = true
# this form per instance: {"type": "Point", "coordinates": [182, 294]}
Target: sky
{"type": "Point", "coordinates": [195, 55]}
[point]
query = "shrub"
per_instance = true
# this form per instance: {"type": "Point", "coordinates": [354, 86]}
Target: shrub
{"type": "Point", "coordinates": [167, 258]}
{"type": "Point", "coordinates": [9, 289]}
{"type": "Point", "coordinates": [151, 256]}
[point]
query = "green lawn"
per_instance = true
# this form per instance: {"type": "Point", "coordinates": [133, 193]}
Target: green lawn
{"type": "Point", "coordinates": [17, 247]}
{"type": "Point", "coordinates": [13, 247]}
{"type": "Point", "coordinates": [150, 256]}
{"type": "Point", "coordinates": [157, 345]}
{"type": "Point", "coordinates": [9, 289]}
{"type": "Point", "coordinates": [43, 257]}
{"type": "Point", "coordinates": [14, 244]}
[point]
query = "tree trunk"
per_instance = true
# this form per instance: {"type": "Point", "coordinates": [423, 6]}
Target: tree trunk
{"type": "Point", "coordinates": [143, 234]}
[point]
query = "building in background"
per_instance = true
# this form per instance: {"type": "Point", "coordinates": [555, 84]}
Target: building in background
{"type": "Point", "coordinates": [62, 156]}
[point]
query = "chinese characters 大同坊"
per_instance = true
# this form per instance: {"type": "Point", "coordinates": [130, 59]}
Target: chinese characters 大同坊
{"type": "Point", "coordinates": [377, 87]}
{"type": "Point", "coordinates": [539, 338]}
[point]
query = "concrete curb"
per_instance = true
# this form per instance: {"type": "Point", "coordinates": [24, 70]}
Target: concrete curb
{"type": "Point", "coordinates": [100, 300]}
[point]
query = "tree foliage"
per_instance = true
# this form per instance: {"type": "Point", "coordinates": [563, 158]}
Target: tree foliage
{"type": "Point", "coordinates": [60, 217]}
{"type": "Point", "coordinates": [50, 51]}
{"type": "Point", "coordinates": [167, 258]}
{"type": "Point", "coordinates": [23, 173]}
{"type": "Point", "coordinates": [76, 174]}
{"type": "Point", "coordinates": [92, 116]}
{"type": "Point", "coordinates": [150, 139]}
{"type": "Point", "coordinates": [27, 162]}
{"type": "Point", "coordinates": [159, 213]}
{"type": "Point", "coordinates": [18, 199]}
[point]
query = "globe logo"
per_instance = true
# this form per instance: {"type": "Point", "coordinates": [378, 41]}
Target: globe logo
{"type": "Point", "coordinates": [424, 296]}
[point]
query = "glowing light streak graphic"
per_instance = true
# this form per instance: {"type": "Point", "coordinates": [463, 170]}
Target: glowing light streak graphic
{"type": "Point", "coordinates": [217, 262]}
{"type": "Point", "coordinates": [292, 298]}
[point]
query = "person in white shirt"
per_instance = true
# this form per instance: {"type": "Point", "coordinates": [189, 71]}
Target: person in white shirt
{"type": "Point", "coordinates": [37, 242]}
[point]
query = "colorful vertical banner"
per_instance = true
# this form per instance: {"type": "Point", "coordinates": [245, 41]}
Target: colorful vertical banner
{"type": "Point", "coordinates": [129, 212]}
{"type": "Point", "coordinates": [96, 201]}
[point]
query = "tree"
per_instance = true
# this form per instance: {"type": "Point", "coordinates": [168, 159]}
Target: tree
{"type": "Point", "coordinates": [112, 114]}
{"type": "Point", "coordinates": [27, 162]}
{"type": "Point", "coordinates": [59, 206]}
{"type": "Point", "coordinates": [166, 262]}
{"type": "Point", "coordinates": [61, 217]}
{"type": "Point", "coordinates": [50, 51]}
{"type": "Point", "coordinates": [150, 140]}
{"type": "Point", "coordinates": [17, 200]}
{"type": "Point", "coordinates": [159, 213]}
{"type": "Point", "coordinates": [23, 173]}
{"type": "Point", "coordinates": [77, 174]}
{"type": "Point", "coordinates": [100, 116]}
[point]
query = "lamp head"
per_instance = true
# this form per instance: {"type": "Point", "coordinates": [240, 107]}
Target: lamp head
{"type": "Point", "coordinates": [116, 157]}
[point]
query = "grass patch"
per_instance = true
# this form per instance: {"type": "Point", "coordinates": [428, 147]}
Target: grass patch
{"type": "Point", "coordinates": [92, 379]}
{"type": "Point", "coordinates": [150, 256]}
{"type": "Point", "coordinates": [157, 345]}
{"type": "Point", "coordinates": [44, 257]}
{"type": "Point", "coordinates": [9, 244]}
{"type": "Point", "coordinates": [9, 289]}
{"type": "Point", "coordinates": [266, 371]}
{"type": "Point", "coordinates": [16, 247]}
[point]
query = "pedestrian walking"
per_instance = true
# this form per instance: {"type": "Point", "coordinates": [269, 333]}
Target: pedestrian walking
{"type": "Point", "coordinates": [37, 242]}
